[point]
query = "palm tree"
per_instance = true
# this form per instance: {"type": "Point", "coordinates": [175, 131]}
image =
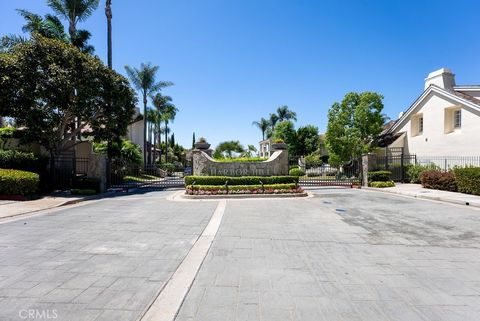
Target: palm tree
{"type": "Point", "coordinates": [108, 13]}
{"type": "Point", "coordinates": [49, 26]}
{"type": "Point", "coordinates": [285, 114]}
{"type": "Point", "coordinates": [273, 121]}
{"type": "Point", "coordinates": [169, 114]}
{"type": "Point", "coordinates": [162, 104]}
{"type": "Point", "coordinates": [229, 147]}
{"type": "Point", "coordinates": [73, 11]}
{"type": "Point", "coordinates": [262, 125]}
{"type": "Point", "coordinates": [154, 118]}
{"type": "Point", "coordinates": [144, 80]}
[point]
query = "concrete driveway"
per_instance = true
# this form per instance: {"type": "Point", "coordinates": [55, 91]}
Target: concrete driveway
{"type": "Point", "coordinates": [340, 255]}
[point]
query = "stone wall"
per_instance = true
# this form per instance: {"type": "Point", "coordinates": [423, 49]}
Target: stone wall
{"type": "Point", "coordinates": [204, 165]}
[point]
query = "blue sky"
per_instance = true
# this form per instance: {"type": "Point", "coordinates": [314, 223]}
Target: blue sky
{"type": "Point", "coordinates": [234, 61]}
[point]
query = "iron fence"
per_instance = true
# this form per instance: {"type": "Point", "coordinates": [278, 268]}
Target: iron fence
{"type": "Point", "coordinates": [447, 163]}
{"type": "Point", "coordinates": [396, 164]}
{"type": "Point", "coordinates": [67, 170]}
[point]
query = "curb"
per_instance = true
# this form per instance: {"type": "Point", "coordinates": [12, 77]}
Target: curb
{"type": "Point", "coordinates": [65, 203]}
{"type": "Point", "coordinates": [427, 197]}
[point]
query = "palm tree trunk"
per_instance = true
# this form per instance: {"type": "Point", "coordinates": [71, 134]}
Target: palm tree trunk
{"type": "Point", "coordinates": [166, 141]}
{"type": "Point", "coordinates": [145, 128]}
{"type": "Point", "coordinates": [160, 142]}
{"type": "Point", "coordinates": [108, 13]}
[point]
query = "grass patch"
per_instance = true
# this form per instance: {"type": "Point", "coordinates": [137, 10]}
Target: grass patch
{"type": "Point", "coordinates": [241, 160]}
{"type": "Point", "coordinates": [140, 178]}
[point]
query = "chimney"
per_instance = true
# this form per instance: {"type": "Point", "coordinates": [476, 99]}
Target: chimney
{"type": "Point", "coordinates": [443, 78]}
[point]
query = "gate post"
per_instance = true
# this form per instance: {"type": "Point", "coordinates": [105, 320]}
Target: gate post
{"type": "Point", "coordinates": [365, 159]}
{"type": "Point", "coordinates": [402, 168]}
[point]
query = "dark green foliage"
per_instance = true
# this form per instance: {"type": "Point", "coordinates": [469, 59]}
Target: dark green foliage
{"type": "Point", "coordinates": [414, 172]}
{"type": "Point", "coordinates": [83, 192]}
{"type": "Point", "coordinates": [439, 180]}
{"type": "Point", "coordinates": [468, 180]}
{"type": "Point", "coordinates": [379, 176]}
{"type": "Point", "coordinates": [241, 160]}
{"type": "Point", "coordinates": [242, 180]}
{"type": "Point", "coordinates": [382, 184]}
{"type": "Point", "coordinates": [27, 162]}
{"type": "Point", "coordinates": [168, 167]}
{"type": "Point", "coordinates": [307, 140]}
{"type": "Point", "coordinates": [16, 182]}
{"type": "Point", "coordinates": [313, 160]}
{"type": "Point", "coordinates": [37, 82]}
{"type": "Point", "coordinates": [87, 183]}
{"type": "Point", "coordinates": [296, 172]}
{"type": "Point", "coordinates": [124, 150]}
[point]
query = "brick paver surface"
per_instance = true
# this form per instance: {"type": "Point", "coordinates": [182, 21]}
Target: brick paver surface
{"type": "Point", "coordinates": [103, 261]}
{"type": "Point", "coordinates": [342, 255]}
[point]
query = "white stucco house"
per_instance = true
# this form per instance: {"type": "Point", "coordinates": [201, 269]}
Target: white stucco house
{"type": "Point", "coordinates": [443, 121]}
{"type": "Point", "coordinates": [265, 148]}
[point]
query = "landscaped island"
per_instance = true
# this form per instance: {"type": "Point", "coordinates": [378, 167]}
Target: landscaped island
{"type": "Point", "coordinates": [223, 185]}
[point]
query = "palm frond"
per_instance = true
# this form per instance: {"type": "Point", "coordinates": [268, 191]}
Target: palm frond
{"type": "Point", "coordinates": [7, 42]}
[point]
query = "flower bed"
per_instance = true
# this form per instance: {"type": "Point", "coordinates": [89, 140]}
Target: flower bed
{"type": "Point", "coordinates": [240, 180]}
{"type": "Point", "coordinates": [243, 189]}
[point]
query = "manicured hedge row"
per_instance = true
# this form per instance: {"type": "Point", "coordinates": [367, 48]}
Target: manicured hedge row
{"type": "Point", "coordinates": [241, 180]}
{"type": "Point", "coordinates": [468, 180]}
{"type": "Point", "coordinates": [379, 176]}
{"type": "Point", "coordinates": [15, 182]}
{"type": "Point", "coordinates": [243, 189]}
{"type": "Point", "coordinates": [13, 159]}
{"type": "Point", "coordinates": [444, 181]}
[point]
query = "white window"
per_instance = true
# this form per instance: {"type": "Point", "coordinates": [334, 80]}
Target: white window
{"type": "Point", "coordinates": [457, 119]}
{"type": "Point", "coordinates": [420, 124]}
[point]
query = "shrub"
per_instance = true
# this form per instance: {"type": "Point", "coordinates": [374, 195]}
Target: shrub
{"type": "Point", "coordinates": [83, 192]}
{"type": "Point", "coordinates": [439, 180]}
{"type": "Point", "coordinates": [242, 189]}
{"type": "Point", "coordinates": [26, 161]}
{"type": "Point", "coordinates": [16, 182]}
{"type": "Point", "coordinates": [414, 172]}
{"type": "Point", "coordinates": [382, 184]}
{"type": "Point", "coordinates": [468, 180]}
{"type": "Point", "coordinates": [313, 160]}
{"type": "Point", "coordinates": [91, 183]}
{"type": "Point", "coordinates": [240, 180]}
{"type": "Point", "coordinates": [296, 172]}
{"type": "Point", "coordinates": [126, 151]}
{"type": "Point", "coordinates": [168, 167]}
{"type": "Point", "coordinates": [379, 176]}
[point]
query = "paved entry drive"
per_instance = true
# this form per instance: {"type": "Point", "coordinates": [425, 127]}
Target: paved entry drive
{"type": "Point", "coordinates": [102, 261]}
{"type": "Point", "coordinates": [342, 255]}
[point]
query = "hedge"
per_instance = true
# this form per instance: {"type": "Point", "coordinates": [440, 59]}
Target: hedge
{"type": "Point", "coordinates": [414, 172]}
{"type": "Point", "coordinates": [243, 189]}
{"type": "Point", "coordinates": [296, 172]}
{"type": "Point", "coordinates": [13, 159]}
{"type": "Point", "coordinates": [90, 183]}
{"type": "Point", "coordinates": [444, 181]}
{"type": "Point", "coordinates": [468, 180]}
{"type": "Point", "coordinates": [83, 192]}
{"type": "Point", "coordinates": [382, 184]}
{"type": "Point", "coordinates": [379, 176]}
{"type": "Point", "coordinates": [240, 180]}
{"type": "Point", "coordinates": [16, 182]}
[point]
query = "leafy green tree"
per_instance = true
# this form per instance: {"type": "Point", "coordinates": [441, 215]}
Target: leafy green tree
{"type": "Point", "coordinates": [263, 125]}
{"type": "Point", "coordinates": [46, 85]}
{"type": "Point", "coordinates": [307, 141]}
{"type": "Point", "coordinates": [228, 148]}
{"type": "Point", "coordinates": [144, 80]}
{"type": "Point", "coordinates": [285, 130]}
{"type": "Point", "coordinates": [353, 126]}
{"type": "Point", "coordinates": [284, 113]}
{"type": "Point", "coordinates": [127, 151]}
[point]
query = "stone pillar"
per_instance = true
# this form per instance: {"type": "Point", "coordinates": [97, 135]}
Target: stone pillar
{"type": "Point", "coordinates": [369, 163]}
{"type": "Point", "coordinates": [97, 168]}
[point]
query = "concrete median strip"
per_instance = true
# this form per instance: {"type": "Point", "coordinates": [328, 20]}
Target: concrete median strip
{"type": "Point", "coordinates": [166, 305]}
